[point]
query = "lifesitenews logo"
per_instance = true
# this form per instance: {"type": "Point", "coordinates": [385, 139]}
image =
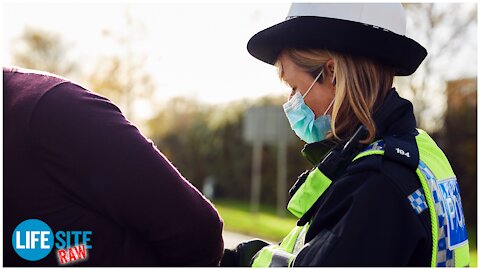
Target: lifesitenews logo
{"type": "Point", "coordinates": [33, 240]}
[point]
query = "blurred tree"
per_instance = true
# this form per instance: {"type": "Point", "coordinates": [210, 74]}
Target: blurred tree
{"type": "Point", "coordinates": [193, 136]}
{"type": "Point", "coordinates": [42, 50]}
{"type": "Point", "coordinates": [107, 79]}
{"type": "Point", "coordinates": [460, 141]}
{"type": "Point", "coordinates": [443, 29]}
{"type": "Point", "coordinates": [126, 84]}
{"type": "Point", "coordinates": [207, 141]}
{"type": "Point", "coordinates": [122, 76]}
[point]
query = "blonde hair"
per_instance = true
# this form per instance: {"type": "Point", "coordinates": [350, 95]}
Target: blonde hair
{"type": "Point", "coordinates": [360, 88]}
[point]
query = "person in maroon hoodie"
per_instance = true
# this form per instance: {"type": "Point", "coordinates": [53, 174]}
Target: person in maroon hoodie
{"type": "Point", "coordinates": [73, 161]}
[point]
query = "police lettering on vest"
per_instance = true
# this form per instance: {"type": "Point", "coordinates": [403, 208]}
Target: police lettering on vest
{"type": "Point", "coordinates": [439, 194]}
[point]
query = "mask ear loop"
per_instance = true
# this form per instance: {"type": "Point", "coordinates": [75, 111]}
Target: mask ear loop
{"type": "Point", "coordinates": [311, 86]}
{"type": "Point", "coordinates": [329, 106]}
{"type": "Point", "coordinates": [334, 81]}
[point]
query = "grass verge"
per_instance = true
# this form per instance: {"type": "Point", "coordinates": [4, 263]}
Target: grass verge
{"type": "Point", "coordinates": [265, 224]}
{"type": "Point", "coordinates": [472, 241]}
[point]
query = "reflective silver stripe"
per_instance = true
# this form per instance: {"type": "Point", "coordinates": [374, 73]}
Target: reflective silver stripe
{"type": "Point", "coordinates": [280, 258]}
{"type": "Point", "coordinates": [300, 239]}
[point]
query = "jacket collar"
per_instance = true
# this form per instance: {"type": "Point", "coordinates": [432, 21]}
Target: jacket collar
{"type": "Point", "coordinates": [394, 117]}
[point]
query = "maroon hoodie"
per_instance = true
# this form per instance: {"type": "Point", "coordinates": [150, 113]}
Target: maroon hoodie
{"type": "Point", "coordinates": [73, 161]}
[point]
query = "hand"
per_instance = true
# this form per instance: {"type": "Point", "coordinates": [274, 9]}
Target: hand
{"type": "Point", "coordinates": [242, 254]}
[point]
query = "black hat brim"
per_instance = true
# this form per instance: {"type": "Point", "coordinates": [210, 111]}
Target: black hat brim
{"type": "Point", "coordinates": [386, 47]}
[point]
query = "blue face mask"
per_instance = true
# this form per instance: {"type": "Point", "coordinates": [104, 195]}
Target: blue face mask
{"type": "Point", "coordinates": [302, 119]}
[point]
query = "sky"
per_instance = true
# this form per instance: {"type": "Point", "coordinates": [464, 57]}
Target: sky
{"type": "Point", "coordinates": [196, 50]}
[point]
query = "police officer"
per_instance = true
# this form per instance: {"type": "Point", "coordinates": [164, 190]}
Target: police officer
{"type": "Point", "coordinates": [381, 192]}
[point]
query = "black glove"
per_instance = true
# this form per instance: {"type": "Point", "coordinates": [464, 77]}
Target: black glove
{"type": "Point", "coordinates": [242, 254]}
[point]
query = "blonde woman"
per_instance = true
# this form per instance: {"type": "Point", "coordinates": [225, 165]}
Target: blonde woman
{"type": "Point", "coordinates": [380, 193]}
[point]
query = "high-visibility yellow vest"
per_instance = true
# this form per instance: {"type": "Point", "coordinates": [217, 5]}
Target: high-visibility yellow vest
{"type": "Point", "coordinates": [440, 195]}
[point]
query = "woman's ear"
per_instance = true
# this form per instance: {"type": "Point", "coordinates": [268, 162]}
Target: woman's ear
{"type": "Point", "coordinates": [330, 67]}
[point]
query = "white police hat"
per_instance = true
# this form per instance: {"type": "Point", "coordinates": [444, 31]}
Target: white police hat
{"type": "Point", "coordinates": [373, 30]}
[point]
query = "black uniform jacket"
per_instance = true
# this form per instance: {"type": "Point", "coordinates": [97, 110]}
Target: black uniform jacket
{"type": "Point", "coordinates": [364, 218]}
